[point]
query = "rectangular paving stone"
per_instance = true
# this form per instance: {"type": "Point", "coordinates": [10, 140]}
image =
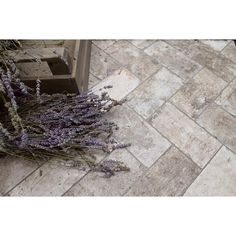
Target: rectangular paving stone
{"type": "Point", "coordinates": [172, 58]}
{"type": "Point", "coordinates": [198, 93]}
{"type": "Point", "coordinates": [154, 92]}
{"type": "Point", "coordinates": [142, 43]}
{"type": "Point", "coordinates": [220, 124]}
{"type": "Point", "coordinates": [123, 83]}
{"type": "Point", "coordinates": [230, 51]}
{"type": "Point", "coordinates": [147, 145]}
{"type": "Point", "coordinates": [103, 44]}
{"type": "Point", "coordinates": [218, 178]}
{"type": "Point", "coordinates": [217, 45]}
{"type": "Point", "coordinates": [95, 184]}
{"type": "Point", "coordinates": [190, 138]}
{"type": "Point", "coordinates": [93, 81]}
{"type": "Point", "coordinates": [101, 64]}
{"type": "Point", "coordinates": [133, 59]}
{"type": "Point", "coordinates": [169, 176]}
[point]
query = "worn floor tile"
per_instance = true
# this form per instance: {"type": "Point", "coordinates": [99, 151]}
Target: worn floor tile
{"type": "Point", "coordinates": [14, 170]}
{"type": "Point", "coordinates": [230, 51]}
{"type": "Point", "coordinates": [154, 92]}
{"type": "Point", "coordinates": [134, 59]}
{"type": "Point", "coordinates": [93, 81]}
{"type": "Point", "coordinates": [169, 176]}
{"type": "Point", "coordinates": [95, 184]}
{"type": "Point", "coordinates": [173, 59]}
{"type": "Point", "coordinates": [198, 93]}
{"type": "Point", "coordinates": [230, 104]}
{"type": "Point", "coordinates": [218, 178]}
{"type": "Point", "coordinates": [142, 43]}
{"type": "Point", "coordinates": [185, 134]}
{"type": "Point", "coordinates": [123, 83]}
{"type": "Point", "coordinates": [101, 64]}
{"type": "Point", "coordinates": [147, 144]}
{"type": "Point", "coordinates": [220, 124]}
{"type": "Point", "coordinates": [103, 44]}
{"type": "Point", "coordinates": [51, 179]}
{"type": "Point", "coordinates": [217, 45]}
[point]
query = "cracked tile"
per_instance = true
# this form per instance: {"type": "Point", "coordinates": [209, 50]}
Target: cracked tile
{"type": "Point", "coordinates": [142, 43]}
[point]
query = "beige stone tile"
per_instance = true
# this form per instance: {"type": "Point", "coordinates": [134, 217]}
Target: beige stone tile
{"type": "Point", "coordinates": [169, 176]}
{"type": "Point", "coordinates": [133, 59]}
{"type": "Point", "coordinates": [230, 104]}
{"type": "Point", "coordinates": [13, 171]}
{"type": "Point", "coordinates": [95, 184]}
{"type": "Point", "coordinates": [51, 179]}
{"type": "Point", "coordinates": [220, 124]}
{"type": "Point", "coordinates": [218, 178]}
{"type": "Point", "coordinates": [154, 92]}
{"type": "Point", "coordinates": [93, 81]}
{"type": "Point", "coordinates": [230, 51]}
{"type": "Point", "coordinates": [185, 134]}
{"type": "Point", "coordinates": [101, 64]}
{"type": "Point", "coordinates": [123, 83]}
{"type": "Point", "coordinates": [175, 60]}
{"type": "Point", "coordinates": [198, 93]}
{"type": "Point", "coordinates": [147, 144]}
{"type": "Point", "coordinates": [103, 44]}
{"type": "Point", "coordinates": [217, 45]}
{"type": "Point", "coordinates": [142, 43]}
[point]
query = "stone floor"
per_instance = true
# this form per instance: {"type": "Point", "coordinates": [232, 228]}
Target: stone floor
{"type": "Point", "coordinates": [180, 117]}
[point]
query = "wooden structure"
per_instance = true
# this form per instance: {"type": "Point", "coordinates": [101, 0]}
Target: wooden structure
{"type": "Point", "coordinates": [68, 62]}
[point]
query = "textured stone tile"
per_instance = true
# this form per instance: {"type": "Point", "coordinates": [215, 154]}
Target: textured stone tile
{"type": "Point", "coordinates": [133, 59]}
{"type": "Point", "coordinates": [185, 134]}
{"type": "Point", "coordinates": [51, 179]}
{"type": "Point", "coordinates": [147, 144]}
{"type": "Point", "coordinates": [14, 170]}
{"type": "Point", "coordinates": [175, 60]}
{"type": "Point", "coordinates": [154, 92]}
{"type": "Point", "coordinates": [169, 176]}
{"type": "Point", "coordinates": [93, 81]}
{"type": "Point", "coordinates": [217, 45]}
{"type": "Point", "coordinates": [95, 184]}
{"type": "Point", "coordinates": [101, 64]}
{"type": "Point", "coordinates": [218, 178]}
{"type": "Point", "coordinates": [193, 98]}
{"type": "Point", "coordinates": [123, 83]}
{"type": "Point", "coordinates": [142, 43]}
{"type": "Point", "coordinates": [230, 51]}
{"type": "Point", "coordinates": [103, 44]}
{"type": "Point", "coordinates": [220, 124]}
{"type": "Point", "coordinates": [230, 104]}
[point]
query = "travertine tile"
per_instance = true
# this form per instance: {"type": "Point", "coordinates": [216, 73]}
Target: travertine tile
{"type": "Point", "coordinates": [193, 98]}
{"type": "Point", "coordinates": [220, 124]}
{"type": "Point", "coordinates": [101, 64]}
{"type": "Point", "coordinates": [175, 60]}
{"type": "Point", "coordinates": [218, 178]}
{"type": "Point", "coordinates": [147, 144]}
{"type": "Point", "coordinates": [169, 176]}
{"type": "Point", "coordinates": [185, 134]}
{"type": "Point", "coordinates": [133, 58]}
{"type": "Point", "coordinates": [95, 184]}
{"type": "Point", "coordinates": [154, 92]}
{"type": "Point", "coordinates": [230, 51]}
{"type": "Point", "coordinates": [14, 170]}
{"type": "Point", "coordinates": [51, 179]}
{"type": "Point", "coordinates": [123, 83]}
{"type": "Point", "coordinates": [217, 45]}
{"type": "Point", "coordinates": [103, 44]}
{"type": "Point", "coordinates": [142, 43]}
{"type": "Point", "coordinates": [93, 81]}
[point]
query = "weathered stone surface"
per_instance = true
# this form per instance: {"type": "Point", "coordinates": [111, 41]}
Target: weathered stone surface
{"type": "Point", "coordinates": [218, 178]}
{"type": "Point", "coordinates": [123, 83]}
{"type": "Point", "coordinates": [169, 176]}
{"type": "Point", "coordinates": [220, 124]}
{"type": "Point", "coordinates": [95, 184]}
{"type": "Point", "coordinates": [172, 58]}
{"type": "Point", "coordinates": [198, 93]}
{"type": "Point", "coordinates": [103, 44]}
{"type": "Point", "coordinates": [217, 45]}
{"type": "Point", "coordinates": [185, 134]}
{"type": "Point", "coordinates": [230, 51]}
{"type": "Point", "coordinates": [133, 59]}
{"type": "Point", "coordinates": [147, 144]}
{"type": "Point", "coordinates": [101, 64]}
{"type": "Point", "coordinates": [93, 81]}
{"type": "Point", "coordinates": [154, 92]}
{"type": "Point", "coordinates": [142, 43]}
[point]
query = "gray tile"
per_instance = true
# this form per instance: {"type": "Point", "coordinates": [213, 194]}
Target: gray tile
{"type": "Point", "coordinates": [147, 144]}
{"type": "Point", "coordinates": [142, 43]}
{"type": "Point", "coordinates": [169, 176]}
{"type": "Point", "coordinates": [133, 59]}
{"type": "Point", "coordinates": [220, 124]}
{"type": "Point", "coordinates": [217, 45]}
{"type": "Point", "coordinates": [198, 93]}
{"type": "Point", "coordinates": [218, 178]}
{"type": "Point", "coordinates": [154, 92]}
{"type": "Point", "coordinates": [230, 51]}
{"type": "Point", "coordinates": [230, 104]}
{"type": "Point", "coordinates": [172, 58]}
{"type": "Point", "coordinates": [185, 134]}
{"type": "Point", "coordinates": [93, 81]}
{"type": "Point", "coordinates": [95, 184]}
{"type": "Point", "coordinates": [101, 64]}
{"type": "Point", "coordinates": [103, 44]}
